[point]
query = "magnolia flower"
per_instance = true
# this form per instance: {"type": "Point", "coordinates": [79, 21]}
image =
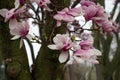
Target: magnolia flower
{"type": "Point", "coordinates": [19, 30]}
{"type": "Point", "coordinates": [96, 13]}
{"type": "Point", "coordinates": [90, 9]}
{"type": "Point", "coordinates": [76, 11]}
{"type": "Point", "coordinates": [107, 26]}
{"type": "Point", "coordinates": [63, 16]}
{"type": "Point", "coordinates": [42, 3]}
{"type": "Point", "coordinates": [62, 43]}
{"type": "Point", "coordinates": [67, 15]}
{"type": "Point", "coordinates": [100, 16]}
{"type": "Point", "coordinates": [93, 12]}
{"type": "Point", "coordinates": [87, 52]}
{"type": "Point", "coordinates": [11, 14]}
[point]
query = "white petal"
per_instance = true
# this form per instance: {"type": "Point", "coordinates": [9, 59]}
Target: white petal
{"type": "Point", "coordinates": [57, 38]}
{"type": "Point", "coordinates": [78, 59]}
{"type": "Point", "coordinates": [61, 39]}
{"type": "Point", "coordinates": [76, 46]}
{"type": "Point", "coordinates": [63, 57]}
{"type": "Point", "coordinates": [93, 61]}
{"type": "Point", "coordinates": [53, 47]}
{"type": "Point", "coordinates": [15, 37]}
{"type": "Point", "coordinates": [95, 52]}
{"type": "Point", "coordinates": [14, 31]}
{"type": "Point", "coordinates": [3, 12]}
{"type": "Point", "coordinates": [29, 36]}
{"type": "Point", "coordinates": [21, 43]}
{"type": "Point", "coordinates": [17, 4]}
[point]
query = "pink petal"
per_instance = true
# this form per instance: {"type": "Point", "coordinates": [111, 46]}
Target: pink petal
{"type": "Point", "coordinates": [90, 12]}
{"type": "Point", "coordinates": [81, 52]}
{"type": "Point", "coordinates": [63, 57]}
{"type": "Point", "coordinates": [13, 23]}
{"type": "Point", "coordinates": [86, 3]}
{"type": "Point", "coordinates": [58, 38]}
{"type": "Point", "coordinates": [58, 23]}
{"type": "Point", "coordinates": [63, 11]}
{"type": "Point", "coordinates": [64, 39]}
{"type": "Point", "coordinates": [86, 44]}
{"type": "Point", "coordinates": [58, 17]}
{"type": "Point", "coordinates": [23, 28]}
{"type": "Point", "coordinates": [76, 11]}
{"type": "Point", "coordinates": [68, 18]}
{"type": "Point", "coordinates": [10, 14]}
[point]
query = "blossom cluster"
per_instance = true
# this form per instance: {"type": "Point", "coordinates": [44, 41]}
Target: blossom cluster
{"type": "Point", "coordinates": [17, 29]}
{"type": "Point", "coordinates": [81, 50]}
{"type": "Point", "coordinates": [84, 50]}
{"type": "Point", "coordinates": [67, 15]}
{"type": "Point", "coordinates": [96, 13]}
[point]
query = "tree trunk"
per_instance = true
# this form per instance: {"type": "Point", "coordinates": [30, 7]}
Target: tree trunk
{"type": "Point", "coordinates": [47, 66]}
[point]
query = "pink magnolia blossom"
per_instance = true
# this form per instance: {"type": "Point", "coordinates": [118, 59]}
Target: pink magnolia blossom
{"type": "Point", "coordinates": [67, 15]}
{"type": "Point", "coordinates": [100, 16]}
{"type": "Point", "coordinates": [107, 26]}
{"type": "Point", "coordinates": [96, 13]}
{"type": "Point", "coordinates": [92, 10]}
{"type": "Point", "coordinates": [63, 16]}
{"type": "Point", "coordinates": [11, 14]}
{"type": "Point", "coordinates": [43, 3]}
{"type": "Point", "coordinates": [19, 30]}
{"type": "Point", "coordinates": [87, 52]}
{"type": "Point", "coordinates": [76, 11]}
{"type": "Point", "coordinates": [62, 43]}
{"type": "Point", "coordinates": [89, 12]}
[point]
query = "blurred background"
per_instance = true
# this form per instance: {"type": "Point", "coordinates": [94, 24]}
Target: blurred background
{"type": "Point", "coordinates": [109, 67]}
